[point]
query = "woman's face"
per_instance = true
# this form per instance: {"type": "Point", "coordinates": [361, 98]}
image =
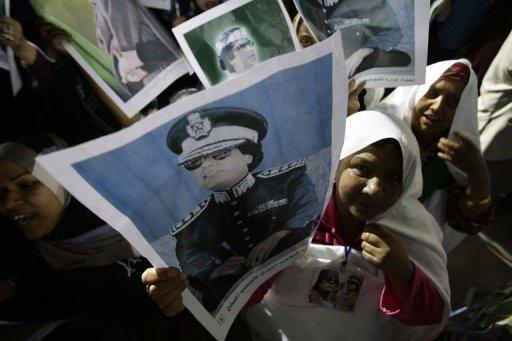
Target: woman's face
{"type": "Point", "coordinates": [369, 181]}
{"type": "Point", "coordinates": [305, 37]}
{"type": "Point", "coordinates": [328, 283]}
{"type": "Point", "coordinates": [433, 114]}
{"type": "Point", "coordinates": [351, 286]}
{"type": "Point", "coordinates": [29, 204]}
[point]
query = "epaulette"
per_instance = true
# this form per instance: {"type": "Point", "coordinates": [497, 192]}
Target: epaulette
{"type": "Point", "coordinates": [189, 217]}
{"type": "Point", "coordinates": [269, 173]}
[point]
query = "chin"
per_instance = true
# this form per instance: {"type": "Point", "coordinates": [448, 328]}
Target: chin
{"type": "Point", "coordinates": [32, 235]}
{"type": "Point", "coordinates": [362, 215]}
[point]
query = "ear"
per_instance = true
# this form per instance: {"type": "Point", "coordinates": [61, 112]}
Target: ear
{"type": "Point", "coordinates": [248, 158]}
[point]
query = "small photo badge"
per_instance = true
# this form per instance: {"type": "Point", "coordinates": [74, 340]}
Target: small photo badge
{"type": "Point", "coordinates": [335, 289]}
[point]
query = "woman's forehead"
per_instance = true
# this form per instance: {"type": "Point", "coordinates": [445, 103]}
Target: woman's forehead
{"type": "Point", "coordinates": [450, 86]}
{"type": "Point", "coordinates": [10, 171]}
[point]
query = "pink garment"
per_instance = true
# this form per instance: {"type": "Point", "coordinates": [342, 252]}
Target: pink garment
{"type": "Point", "coordinates": [262, 290]}
{"type": "Point", "coordinates": [423, 306]}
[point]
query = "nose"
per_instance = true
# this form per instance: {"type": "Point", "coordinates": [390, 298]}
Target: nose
{"type": "Point", "coordinates": [373, 187]}
{"type": "Point", "coordinates": [10, 200]}
{"type": "Point", "coordinates": [435, 105]}
{"type": "Point", "coordinates": [207, 161]}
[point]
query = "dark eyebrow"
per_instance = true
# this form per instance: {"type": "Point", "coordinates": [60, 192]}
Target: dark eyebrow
{"type": "Point", "coordinates": [18, 176]}
{"type": "Point", "coordinates": [362, 158]}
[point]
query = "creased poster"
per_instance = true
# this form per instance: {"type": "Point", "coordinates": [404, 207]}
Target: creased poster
{"type": "Point", "coordinates": [7, 61]}
{"type": "Point", "coordinates": [227, 184]}
{"type": "Point", "coordinates": [384, 41]}
{"type": "Point", "coordinates": [120, 45]}
{"type": "Point", "coordinates": [231, 38]}
{"type": "Point", "coordinates": [159, 4]}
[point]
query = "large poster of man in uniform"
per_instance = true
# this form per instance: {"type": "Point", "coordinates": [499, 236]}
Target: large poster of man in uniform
{"type": "Point", "coordinates": [383, 40]}
{"type": "Point", "coordinates": [227, 184]}
{"type": "Point", "coordinates": [122, 46]}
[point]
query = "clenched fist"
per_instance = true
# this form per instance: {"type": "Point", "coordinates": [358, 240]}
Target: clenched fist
{"type": "Point", "coordinates": [165, 286]}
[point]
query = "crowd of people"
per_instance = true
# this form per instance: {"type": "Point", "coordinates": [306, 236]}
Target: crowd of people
{"type": "Point", "coordinates": [421, 167]}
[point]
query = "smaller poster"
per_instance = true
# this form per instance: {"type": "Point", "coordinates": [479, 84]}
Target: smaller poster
{"type": "Point", "coordinates": [384, 41]}
{"type": "Point", "coordinates": [158, 4]}
{"type": "Point", "coordinates": [231, 38]}
{"type": "Point", "coordinates": [120, 45]}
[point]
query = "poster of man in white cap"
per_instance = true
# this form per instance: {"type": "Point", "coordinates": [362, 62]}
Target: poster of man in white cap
{"type": "Point", "coordinates": [120, 45]}
{"type": "Point", "coordinates": [384, 41]}
{"type": "Point", "coordinates": [236, 51]}
{"type": "Point", "coordinates": [227, 184]}
{"type": "Point", "coordinates": [233, 37]}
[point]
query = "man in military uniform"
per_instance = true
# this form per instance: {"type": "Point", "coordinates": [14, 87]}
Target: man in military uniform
{"type": "Point", "coordinates": [236, 51]}
{"type": "Point", "coordinates": [249, 217]}
{"type": "Point", "coordinates": [369, 30]}
{"type": "Point", "coordinates": [140, 49]}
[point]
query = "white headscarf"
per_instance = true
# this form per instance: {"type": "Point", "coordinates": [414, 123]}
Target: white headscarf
{"type": "Point", "coordinates": [286, 313]}
{"type": "Point", "coordinates": [407, 218]}
{"type": "Point", "coordinates": [402, 101]}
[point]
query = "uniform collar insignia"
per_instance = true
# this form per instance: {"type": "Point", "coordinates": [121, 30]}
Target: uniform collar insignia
{"type": "Point", "coordinates": [198, 127]}
{"type": "Point", "coordinates": [236, 191]}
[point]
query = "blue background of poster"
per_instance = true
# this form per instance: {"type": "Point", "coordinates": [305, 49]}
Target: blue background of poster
{"type": "Point", "coordinates": [142, 179]}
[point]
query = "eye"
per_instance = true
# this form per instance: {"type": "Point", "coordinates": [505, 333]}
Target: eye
{"type": "Point", "coordinates": [221, 155]}
{"type": "Point", "coordinates": [362, 170]}
{"type": "Point", "coordinates": [306, 41]}
{"type": "Point", "coordinates": [431, 93]}
{"type": "Point", "coordinates": [395, 178]}
{"type": "Point", "coordinates": [27, 185]}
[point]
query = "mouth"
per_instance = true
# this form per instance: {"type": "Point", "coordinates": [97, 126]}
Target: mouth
{"type": "Point", "coordinates": [22, 219]}
{"type": "Point", "coordinates": [367, 207]}
{"type": "Point", "coordinates": [209, 173]}
{"type": "Point", "coordinates": [252, 57]}
{"type": "Point", "coordinates": [430, 119]}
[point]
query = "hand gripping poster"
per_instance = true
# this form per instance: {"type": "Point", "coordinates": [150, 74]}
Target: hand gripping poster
{"type": "Point", "coordinates": [231, 38]}
{"type": "Point", "coordinates": [120, 45]}
{"type": "Point", "coordinates": [384, 41]}
{"type": "Point", "coordinates": [227, 184]}
{"type": "Point", "coordinates": [7, 61]}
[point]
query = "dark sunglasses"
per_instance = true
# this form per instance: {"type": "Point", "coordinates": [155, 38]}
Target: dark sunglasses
{"type": "Point", "coordinates": [197, 162]}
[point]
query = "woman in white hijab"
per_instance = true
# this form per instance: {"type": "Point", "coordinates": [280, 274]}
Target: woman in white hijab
{"type": "Point", "coordinates": [392, 283]}
{"type": "Point", "coordinates": [442, 114]}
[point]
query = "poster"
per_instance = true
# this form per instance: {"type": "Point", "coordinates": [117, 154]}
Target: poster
{"type": "Point", "coordinates": [158, 4]}
{"type": "Point", "coordinates": [227, 184]}
{"type": "Point", "coordinates": [7, 61]}
{"type": "Point", "coordinates": [120, 45]}
{"type": "Point", "coordinates": [231, 38]}
{"type": "Point", "coordinates": [384, 41]}
{"type": "Point", "coordinates": [4, 64]}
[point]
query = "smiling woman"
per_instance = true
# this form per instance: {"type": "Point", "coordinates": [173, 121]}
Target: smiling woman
{"type": "Point", "coordinates": [443, 116]}
{"type": "Point", "coordinates": [92, 268]}
{"type": "Point", "coordinates": [30, 205]}
{"type": "Point", "coordinates": [67, 234]}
